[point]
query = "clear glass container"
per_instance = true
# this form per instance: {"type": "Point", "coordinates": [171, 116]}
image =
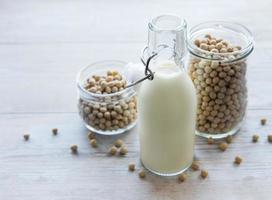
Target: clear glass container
{"type": "Point", "coordinates": [107, 114]}
{"type": "Point", "coordinates": [166, 103]}
{"type": "Point", "coordinates": [217, 65]}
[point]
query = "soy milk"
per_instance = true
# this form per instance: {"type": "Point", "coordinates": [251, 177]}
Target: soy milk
{"type": "Point", "coordinates": [167, 114]}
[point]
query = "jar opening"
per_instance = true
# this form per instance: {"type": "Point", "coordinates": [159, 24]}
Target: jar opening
{"type": "Point", "coordinates": [234, 33]}
{"type": "Point", "coordinates": [101, 68]}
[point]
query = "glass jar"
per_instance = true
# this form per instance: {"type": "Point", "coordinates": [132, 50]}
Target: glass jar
{"type": "Point", "coordinates": [217, 66]}
{"type": "Point", "coordinates": [107, 114]}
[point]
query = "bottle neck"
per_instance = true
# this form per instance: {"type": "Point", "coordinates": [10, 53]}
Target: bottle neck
{"type": "Point", "coordinates": [169, 32]}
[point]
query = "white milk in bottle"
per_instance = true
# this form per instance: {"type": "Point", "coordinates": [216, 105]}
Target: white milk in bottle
{"type": "Point", "coordinates": [167, 104]}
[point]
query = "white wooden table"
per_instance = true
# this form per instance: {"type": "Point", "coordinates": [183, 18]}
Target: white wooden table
{"type": "Point", "coordinates": [42, 46]}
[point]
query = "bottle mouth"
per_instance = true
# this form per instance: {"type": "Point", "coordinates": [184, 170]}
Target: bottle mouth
{"type": "Point", "coordinates": [168, 30]}
{"type": "Point", "coordinates": [233, 32]}
{"type": "Point", "coordinates": [167, 22]}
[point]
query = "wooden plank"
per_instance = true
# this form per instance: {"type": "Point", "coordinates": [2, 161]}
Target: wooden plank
{"type": "Point", "coordinates": [58, 21]}
{"type": "Point", "coordinates": [43, 167]}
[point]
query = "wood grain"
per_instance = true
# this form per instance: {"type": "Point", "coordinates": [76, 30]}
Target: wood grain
{"type": "Point", "coordinates": [43, 44]}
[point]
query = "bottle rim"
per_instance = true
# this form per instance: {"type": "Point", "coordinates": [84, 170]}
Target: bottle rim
{"type": "Point", "coordinates": [180, 23]}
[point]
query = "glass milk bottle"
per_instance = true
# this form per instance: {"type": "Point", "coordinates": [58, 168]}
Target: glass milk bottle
{"type": "Point", "coordinates": [167, 101]}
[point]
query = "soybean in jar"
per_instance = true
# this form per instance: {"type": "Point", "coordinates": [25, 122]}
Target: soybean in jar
{"type": "Point", "coordinates": [105, 104]}
{"type": "Point", "coordinates": [217, 66]}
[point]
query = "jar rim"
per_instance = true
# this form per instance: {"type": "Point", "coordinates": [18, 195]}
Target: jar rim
{"type": "Point", "coordinates": [230, 26]}
{"type": "Point", "coordinates": [90, 95]}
